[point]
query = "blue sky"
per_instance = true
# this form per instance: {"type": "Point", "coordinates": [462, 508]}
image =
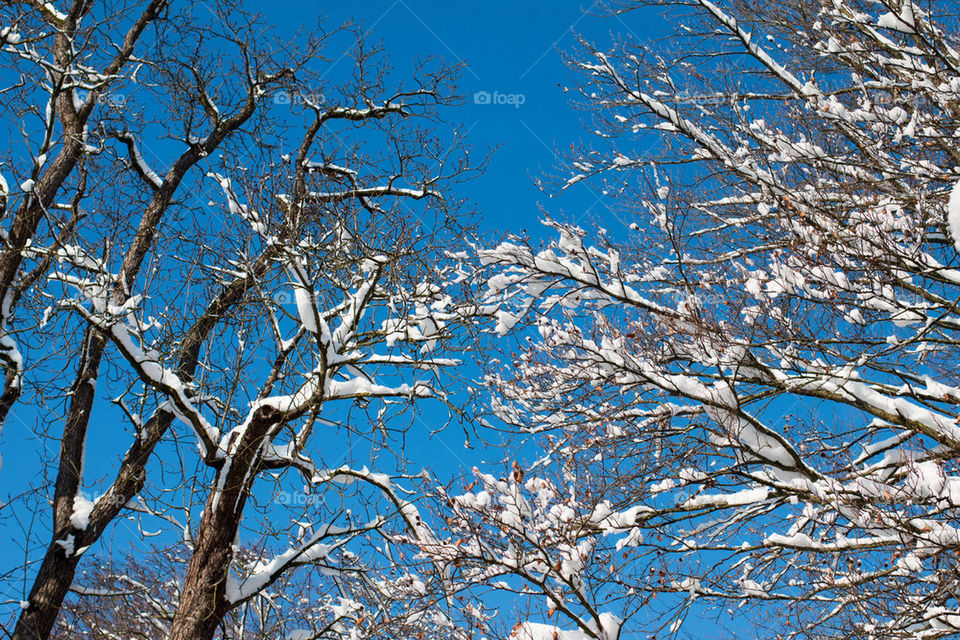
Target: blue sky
{"type": "Point", "coordinates": [515, 104]}
{"type": "Point", "coordinates": [512, 52]}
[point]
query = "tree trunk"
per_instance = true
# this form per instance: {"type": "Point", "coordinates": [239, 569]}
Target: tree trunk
{"type": "Point", "coordinates": [60, 560]}
{"type": "Point", "coordinates": [203, 602]}
{"type": "Point", "coordinates": [203, 599]}
{"type": "Point", "coordinates": [49, 589]}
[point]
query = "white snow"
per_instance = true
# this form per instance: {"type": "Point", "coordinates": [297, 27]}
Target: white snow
{"type": "Point", "coordinates": [927, 479]}
{"type": "Point", "coordinates": [266, 571]}
{"type": "Point", "coordinates": [896, 22]}
{"type": "Point", "coordinates": [306, 309]}
{"type": "Point", "coordinates": [953, 215]}
{"type": "Point", "coordinates": [68, 545]}
{"type": "Point", "coordinates": [609, 630]}
{"type": "Point", "coordinates": [910, 563]}
{"type": "Point", "coordinates": [505, 322]}
{"type": "Point", "coordinates": [9, 36]}
{"type": "Point", "coordinates": [82, 507]}
{"type": "Point", "coordinates": [59, 15]}
{"type": "Point", "coordinates": [735, 499]}
{"type": "Point", "coordinates": [144, 168]}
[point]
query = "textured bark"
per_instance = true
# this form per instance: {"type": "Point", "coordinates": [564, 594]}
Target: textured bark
{"type": "Point", "coordinates": [47, 594]}
{"type": "Point", "coordinates": [58, 568]}
{"type": "Point", "coordinates": [51, 181]}
{"type": "Point", "coordinates": [60, 561]}
{"type": "Point", "coordinates": [57, 571]}
{"type": "Point", "coordinates": [203, 600]}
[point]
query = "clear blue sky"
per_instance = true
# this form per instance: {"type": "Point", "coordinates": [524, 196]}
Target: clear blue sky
{"type": "Point", "coordinates": [511, 48]}
{"type": "Point", "coordinates": [511, 52]}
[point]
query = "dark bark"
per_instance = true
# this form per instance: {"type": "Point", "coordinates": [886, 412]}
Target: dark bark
{"type": "Point", "coordinates": [203, 599]}
{"type": "Point", "coordinates": [31, 213]}
{"type": "Point", "coordinates": [57, 571]}
{"type": "Point", "coordinates": [47, 595]}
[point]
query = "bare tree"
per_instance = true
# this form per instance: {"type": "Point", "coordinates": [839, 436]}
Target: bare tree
{"type": "Point", "coordinates": [220, 340]}
{"type": "Point", "coordinates": [745, 399]}
{"type": "Point", "coordinates": [137, 598]}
